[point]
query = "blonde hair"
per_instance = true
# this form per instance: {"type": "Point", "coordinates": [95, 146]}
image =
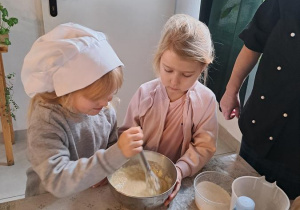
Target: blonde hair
{"type": "Point", "coordinates": [188, 38]}
{"type": "Point", "coordinates": [111, 81]}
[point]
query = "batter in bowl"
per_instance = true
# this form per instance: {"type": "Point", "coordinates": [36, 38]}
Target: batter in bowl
{"type": "Point", "coordinates": [130, 180]}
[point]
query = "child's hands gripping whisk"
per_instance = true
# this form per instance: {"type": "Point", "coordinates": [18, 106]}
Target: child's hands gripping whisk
{"type": "Point", "coordinates": [130, 142]}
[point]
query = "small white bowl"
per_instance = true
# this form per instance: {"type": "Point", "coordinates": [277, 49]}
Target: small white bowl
{"type": "Point", "coordinates": [212, 190]}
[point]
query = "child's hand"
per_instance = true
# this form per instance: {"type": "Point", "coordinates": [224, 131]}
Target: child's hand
{"type": "Point", "coordinates": [176, 188]}
{"type": "Point", "coordinates": [130, 142]}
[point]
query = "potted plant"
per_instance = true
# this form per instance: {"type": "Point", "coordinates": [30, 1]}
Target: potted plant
{"type": "Point", "coordinates": [5, 24]}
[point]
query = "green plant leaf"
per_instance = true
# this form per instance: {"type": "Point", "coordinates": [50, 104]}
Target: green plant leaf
{"type": "Point", "coordinates": [12, 21]}
{"type": "Point", "coordinates": [2, 30]}
{"type": "Point", "coordinates": [7, 42]}
{"type": "Point", "coordinates": [13, 116]}
{"type": "Point", "coordinates": [10, 105]}
{"type": "Point", "coordinates": [4, 12]}
{"type": "Point", "coordinates": [15, 20]}
{"type": "Point", "coordinates": [6, 22]}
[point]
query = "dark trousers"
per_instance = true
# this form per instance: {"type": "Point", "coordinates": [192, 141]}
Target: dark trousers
{"type": "Point", "coordinates": [288, 181]}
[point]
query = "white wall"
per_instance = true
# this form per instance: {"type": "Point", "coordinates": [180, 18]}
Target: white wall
{"type": "Point", "coordinates": [22, 35]}
{"type": "Point", "coordinates": [190, 7]}
{"type": "Point", "coordinates": [250, 82]}
{"type": "Point", "coordinates": [231, 126]}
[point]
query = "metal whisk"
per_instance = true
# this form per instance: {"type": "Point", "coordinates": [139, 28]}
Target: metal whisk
{"type": "Point", "coordinates": [152, 180]}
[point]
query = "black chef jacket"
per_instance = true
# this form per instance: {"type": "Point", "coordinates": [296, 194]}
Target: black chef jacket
{"type": "Point", "coordinates": [270, 120]}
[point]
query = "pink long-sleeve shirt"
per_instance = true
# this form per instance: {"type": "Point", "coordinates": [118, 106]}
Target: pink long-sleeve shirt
{"type": "Point", "coordinates": [148, 108]}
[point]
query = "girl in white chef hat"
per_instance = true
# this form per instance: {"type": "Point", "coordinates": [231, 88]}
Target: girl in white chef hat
{"type": "Point", "coordinates": [71, 74]}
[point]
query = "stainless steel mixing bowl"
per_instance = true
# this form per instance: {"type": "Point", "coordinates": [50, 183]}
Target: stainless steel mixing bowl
{"type": "Point", "coordinates": [147, 202]}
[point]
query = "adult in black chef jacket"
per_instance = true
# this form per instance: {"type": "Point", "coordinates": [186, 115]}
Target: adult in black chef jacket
{"type": "Point", "coordinates": [270, 120]}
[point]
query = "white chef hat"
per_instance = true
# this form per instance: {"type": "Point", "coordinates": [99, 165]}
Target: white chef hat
{"type": "Point", "coordinates": [68, 58]}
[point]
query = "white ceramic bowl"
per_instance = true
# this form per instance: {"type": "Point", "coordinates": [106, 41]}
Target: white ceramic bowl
{"type": "Point", "coordinates": [212, 190]}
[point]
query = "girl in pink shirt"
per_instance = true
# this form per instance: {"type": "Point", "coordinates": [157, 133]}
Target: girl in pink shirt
{"type": "Point", "coordinates": [176, 112]}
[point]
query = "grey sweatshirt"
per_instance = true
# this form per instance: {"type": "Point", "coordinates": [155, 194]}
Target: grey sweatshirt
{"type": "Point", "coordinates": [69, 154]}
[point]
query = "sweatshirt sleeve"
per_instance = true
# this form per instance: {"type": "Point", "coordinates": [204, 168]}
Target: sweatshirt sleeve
{"type": "Point", "coordinates": [60, 174]}
{"type": "Point", "coordinates": [203, 144]}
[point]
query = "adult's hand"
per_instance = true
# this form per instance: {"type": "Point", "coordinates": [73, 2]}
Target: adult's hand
{"type": "Point", "coordinates": [230, 102]}
{"type": "Point", "coordinates": [230, 105]}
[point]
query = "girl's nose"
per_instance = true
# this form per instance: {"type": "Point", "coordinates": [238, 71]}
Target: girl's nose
{"type": "Point", "coordinates": [175, 80]}
{"type": "Point", "coordinates": [104, 102]}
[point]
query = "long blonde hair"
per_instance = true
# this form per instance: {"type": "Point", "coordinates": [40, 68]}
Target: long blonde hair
{"type": "Point", "coordinates": [111, 81]}
{"type": "Point", "coordinates": [188, 38]}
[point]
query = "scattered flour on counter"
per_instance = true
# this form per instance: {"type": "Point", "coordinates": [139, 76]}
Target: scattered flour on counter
{"type": "Point", "coordinates": [130, 180]}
